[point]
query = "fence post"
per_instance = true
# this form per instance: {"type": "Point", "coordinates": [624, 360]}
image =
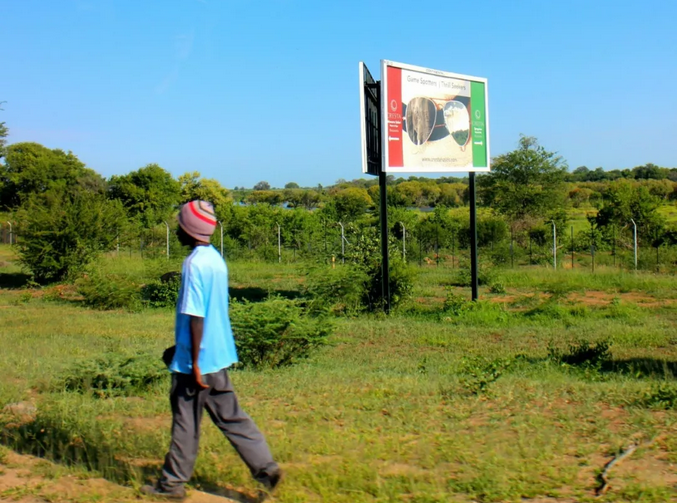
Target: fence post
{"type": "Point", "coordinates": [279, 244]}
{"type": "Point", "coordinates": [613, 243]}
{"type": "Point", "coordinates": [11, 232]}
{"type": "Point", "coordinates": [554, 245]}
{"type": "Point", "coordinates": [404, 242]}
{"type": "Point", "coordinates": [512, 253]}
{"type": "Point", "coordinates": [167, 239]}
{"type": "Point", "coordinates": [572, 247]}
{"type": "Point", "coordinates": [221, 228]}
{"type": "Point", "coordinates": [634, 240]}
{"type": "Point", "coordinates": [592, 245]}
{"type": "Point", "coordinates": [343, 244]}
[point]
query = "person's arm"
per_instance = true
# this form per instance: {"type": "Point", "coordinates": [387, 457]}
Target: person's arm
{"type": "Point", "coordinates": [196, 329]}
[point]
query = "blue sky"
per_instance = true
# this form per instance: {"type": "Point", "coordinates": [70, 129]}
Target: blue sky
{"type": "Point", "coordinates": [245, 91]}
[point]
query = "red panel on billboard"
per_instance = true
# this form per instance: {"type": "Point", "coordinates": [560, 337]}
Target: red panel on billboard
{"type": "Point", "coordinates": [394, 115]}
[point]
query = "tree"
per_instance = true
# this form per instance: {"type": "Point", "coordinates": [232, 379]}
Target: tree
{"type": "Point", "coordinates": [270, 197]}
{"type": "Point", "coordinates": [31, 168]}
{"type": "Point", "coordinates": [4, 131]}
{"type": "Point", "coordinates": [262, 186]}
{"type": "Point", "coordinates": [149, 194]}
{"type": "Point", "coordinates": [291, 185]}
{"type": "Point", "coordinates": [351, 203]}
{"type": "Point", "coordinates": [62, 231]}
{"type": "Point", "coordinates": [527, 183]}
{"type": "Point", "coordinates": [623, 201]}
{"type": "Point", "coordinates": [207, 189]}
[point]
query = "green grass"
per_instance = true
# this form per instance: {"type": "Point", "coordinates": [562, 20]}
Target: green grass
{"type": "Point", "coordinates": [403, 408]}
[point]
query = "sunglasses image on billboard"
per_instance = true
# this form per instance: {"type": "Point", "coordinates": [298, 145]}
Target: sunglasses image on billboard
{"type": "Point", "coordinates": [431, 119]}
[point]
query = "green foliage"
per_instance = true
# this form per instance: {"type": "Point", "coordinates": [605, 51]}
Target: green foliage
{"type": "Point", "coordinates": [63, 232]}
{"type": "Point", "coordinates": [107, 291]}
{"type": "Point", "coordinates": [497, 287]}
{"type": "Point", "coordinates": [113, 375]}
{"type": "Point", "coordinates": [525, 183]}
{"type": "Point", "coordinates": [456, 304]}
{"type": "Point", "coordinates": [162, 293]}
{"type": "Point", "coordinates": [624, 201]}
{"type": "Point", "coordinates": [276, 332]}
{"type": "Point", "coordinates": [205, 189]}
{"type": "Point", "coordinates": [479, 373]}
{"type": "Point", "coordinates": [341, 289]}
{"type": "Point", "coordinates": [365, 253]}
{"type": "Point", "coordinates": [660, 396]}
{"type": "Point", "coordinates": [351, 203]}
{"type": "Point", "coordinates": [582, 353]}
{"type": "Point", "coordinates": [149, 194]}
{"type": "Point", "coordinates": [30, 169]}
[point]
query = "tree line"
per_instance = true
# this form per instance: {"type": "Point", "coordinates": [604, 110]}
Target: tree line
{"type": "Point", "coordinates": [67, 212]}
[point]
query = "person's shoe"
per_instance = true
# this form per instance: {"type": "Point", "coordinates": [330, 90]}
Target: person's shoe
{"type": "Point", "coordinates": [271, 481]}
{"type": "Point", "coordinates": [158, 492]}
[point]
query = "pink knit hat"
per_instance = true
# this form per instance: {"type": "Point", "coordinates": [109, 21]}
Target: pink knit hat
{"type": "Point", "coordinates": [198, 220]}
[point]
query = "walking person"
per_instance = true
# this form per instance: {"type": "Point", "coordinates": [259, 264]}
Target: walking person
{"type": "Point", "coordinates": [204, 350]}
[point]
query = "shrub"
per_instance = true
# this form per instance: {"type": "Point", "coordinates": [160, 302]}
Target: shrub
{"type": "Point", "coordinates": [108, 291]}
{"type": "Point", "coordinates": [481, 373]}
{"type": "Point", "coordinates": [497, 287]}
{"type": "Point", "coordinates": [340, 289]}
{"type": "Point", "coordinates": [163, 292]}
{"type": "Point", "coordinates": [661, 396]}
{"type": "Point", "coordinates": [462, 277]}
{"type": "Point", "coordinates": [113, 375]}
{"type": "Point", "coordinates": [63, 232]}
{"type": "Point", "coordinates": [456, 304]}
{"type": "Point", "coordinates": [276, 332]}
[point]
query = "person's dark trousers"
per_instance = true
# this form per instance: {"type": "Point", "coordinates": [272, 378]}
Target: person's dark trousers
{"type": "Point", "coordinates": [222, 405]}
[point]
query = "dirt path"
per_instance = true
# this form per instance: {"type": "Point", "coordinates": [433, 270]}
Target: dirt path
{"type": "Point", "coordinates": [26, 479]}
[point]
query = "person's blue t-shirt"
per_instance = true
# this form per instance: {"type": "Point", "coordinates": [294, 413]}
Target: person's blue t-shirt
{"type": "Point", "coordinates": [204, 293]}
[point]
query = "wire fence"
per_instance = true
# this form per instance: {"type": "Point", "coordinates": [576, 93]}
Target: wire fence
{"type": "Point", "coordinates": [334, 242]}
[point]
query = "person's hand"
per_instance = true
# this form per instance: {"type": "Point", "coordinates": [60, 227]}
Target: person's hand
{"type": "Point", "coordinates": [198, 377]}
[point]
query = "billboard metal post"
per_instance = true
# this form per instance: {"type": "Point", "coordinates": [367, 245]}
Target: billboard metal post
{"type": "Point", "coordinates": [473, 238]}
{"type": "Point", "coordinates": [385, 266]}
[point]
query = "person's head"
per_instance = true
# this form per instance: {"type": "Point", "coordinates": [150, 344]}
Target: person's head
{"type": "Point", "coordinates": [197, 223]}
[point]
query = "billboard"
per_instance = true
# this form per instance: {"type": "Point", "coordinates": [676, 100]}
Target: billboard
{"type": "Point", "coordinates": [433, 121]}
{"type": "Point", "coordinates": [370, 122]}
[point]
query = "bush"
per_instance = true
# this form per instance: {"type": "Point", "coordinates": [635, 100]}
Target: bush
{"type": "Point", "coordinates": [108, 291]}
{"type": "Point", "coordinates": [456, 304]}
{"type": "Point", "coordinates": [113, 375]}
{"type": "Point", "coordinates": [480, 373]}
{"type": "Point", "coordinates": [341, 289]}
{"type": "Point", "coordinates": [276, 332]}
{"type": "Point", "coordinates": [62, 232]}
{"type": "Point", "coordinates": [497, 287]}
{"type": "Point", "coordinates": [163, 292]}
{"type": "Point", "coordinates": [661, 396]}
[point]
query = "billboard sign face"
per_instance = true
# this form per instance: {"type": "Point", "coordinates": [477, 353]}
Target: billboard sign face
{"type": "Point", "coordinates": [433, 121]}
{"type": "Point", "coordinates": [369, 122]}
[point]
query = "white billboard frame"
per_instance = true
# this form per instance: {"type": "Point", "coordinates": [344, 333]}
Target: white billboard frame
{"type": "Point", "coordinates": [384, 119]}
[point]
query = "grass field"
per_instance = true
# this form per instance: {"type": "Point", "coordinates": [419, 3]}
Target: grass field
{"type": "Point", "coordinates": [471, 403]}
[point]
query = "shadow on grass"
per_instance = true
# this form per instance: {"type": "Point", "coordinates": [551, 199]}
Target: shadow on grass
{"type": "Point", "coordinates": [42, 437]}
{"type": "Point", "coordinates": [13, 280]}
{"type": "Point", "coordinates": [256, 294]}
{"type": "Point", "coordinates": [654, 368]}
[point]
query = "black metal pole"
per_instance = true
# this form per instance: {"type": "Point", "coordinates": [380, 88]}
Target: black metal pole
{"type": "Point", "coordinates": [385, 267]}
{"type": "Point", "coordinates": [385, 290]}
{"type": "Point", "coordinates": [473, 237]}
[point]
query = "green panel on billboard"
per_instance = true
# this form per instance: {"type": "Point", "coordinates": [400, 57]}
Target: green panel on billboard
{"type": "Point", "coordinates": [479, 124]}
